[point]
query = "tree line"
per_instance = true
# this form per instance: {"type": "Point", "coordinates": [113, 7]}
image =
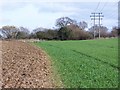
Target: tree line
{"type": "Point", "coordinates": [67, 29]}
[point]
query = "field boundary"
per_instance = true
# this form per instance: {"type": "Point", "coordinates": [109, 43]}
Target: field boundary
{"type": "Point", "coordinates": [55, 76]}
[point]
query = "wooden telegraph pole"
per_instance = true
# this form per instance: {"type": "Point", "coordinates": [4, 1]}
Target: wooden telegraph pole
{"type": "Point", "coordinates": [95, 17]}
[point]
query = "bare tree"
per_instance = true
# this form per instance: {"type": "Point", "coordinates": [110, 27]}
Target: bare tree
{"type": "Point", "coordinates": [23, 33]}
{"type": "Point", "coordinates": [64, 21]}
{"type": "Point", "coordinates": [39, 29]}
{"type": "Point", "coordinates": [103, 31]}
{"type": "Point", "coordinates": [9, 31]}
{"type": "Point", "coordinates": [83, 25]}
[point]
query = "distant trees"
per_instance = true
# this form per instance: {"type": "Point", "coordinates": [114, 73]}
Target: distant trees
{"type": "Point", "coordinates": [114, 32]}
{"type": "Point", "coordinates": [23, 33]}
{"type": "Point", "coordinates": [41, 35]}
{"type": "Point", "coordinates": [64, 33]}
{"type": "Point", "coordinates": [67, 29]}
{"type": "Point", "coordinates": [76, 33]}
{"type": "Point", "coordinates": [13, 32]}
{"type": "Point", "coordinates": [52, 34]}
{"type": "Point", "coordinates": [70, 30]}
{"type": "Point", "coordinates": [48, 34]}
{"type": "Point", "coordinates": [9, 32]}
{"type": "Point", "coordinates": [39, 29]}
{"type": "Point", "coordinates": [103, 31]}
{"type": "Point", "coordinates": [83, 25]}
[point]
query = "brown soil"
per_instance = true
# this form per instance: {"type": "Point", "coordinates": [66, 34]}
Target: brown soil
{"type": "Point", "coordinates": [25, 66]}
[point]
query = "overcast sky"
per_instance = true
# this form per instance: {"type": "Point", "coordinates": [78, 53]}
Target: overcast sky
{"type": "Point", "coordinates": [36, 13]}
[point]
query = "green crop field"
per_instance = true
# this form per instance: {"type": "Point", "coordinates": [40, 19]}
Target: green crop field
{"type": "Point", "coordinates": [84, 63]}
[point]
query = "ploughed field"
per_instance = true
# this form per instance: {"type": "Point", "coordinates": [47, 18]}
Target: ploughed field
{"type": "Point", "coordinates": [85, 63]}
{"type": "Point", "coordinates": [24, 66]}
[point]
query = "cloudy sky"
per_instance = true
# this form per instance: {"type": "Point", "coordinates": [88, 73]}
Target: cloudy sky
{"type": "Point", "coordinates": [43, 13]}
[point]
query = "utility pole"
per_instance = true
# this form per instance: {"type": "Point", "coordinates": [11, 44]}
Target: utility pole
{"type": "Point", "coordinates": [96, 16]}
{"type": "Point", "coordinates": [100, 18]}
{"type": "Point", "coordinates": [93, 18]}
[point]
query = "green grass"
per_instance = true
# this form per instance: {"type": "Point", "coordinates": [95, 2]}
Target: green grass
{"type": "Point", "coordinates": [85, 63]}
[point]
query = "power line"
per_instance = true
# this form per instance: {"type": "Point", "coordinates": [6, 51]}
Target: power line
{"type": "Point", "coordinates": [106, 3]}
{"type": "Point", "coordinates": [97, 6]}
{"type": "Point", "coordinates": [113, 14]}
{"type": "Point", "coordinates": [99, 16]}
{"type": "Point", "coordinates": [104, 6]}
